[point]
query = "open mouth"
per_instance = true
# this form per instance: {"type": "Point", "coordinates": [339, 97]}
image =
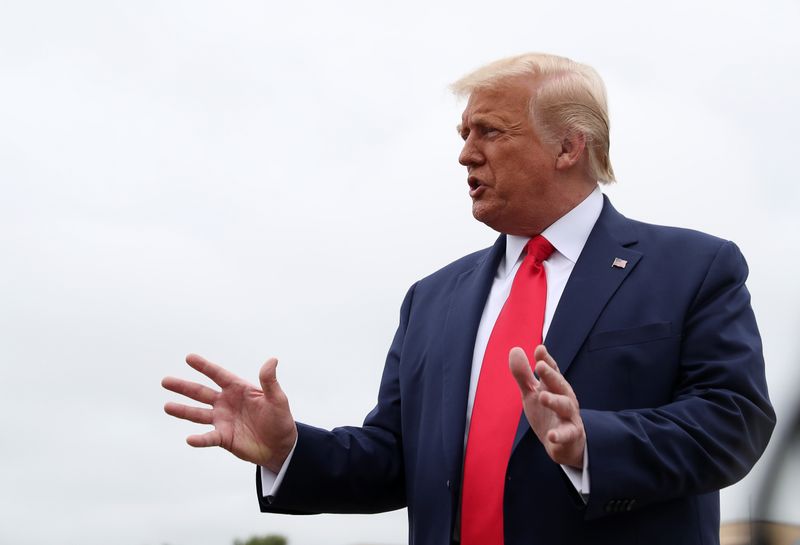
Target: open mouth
{"type": "Point", "coordinates": [475, 186]}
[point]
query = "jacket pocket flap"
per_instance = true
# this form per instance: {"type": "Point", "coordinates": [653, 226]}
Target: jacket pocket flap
{"type": "Point", "coordinates": [633, 335]}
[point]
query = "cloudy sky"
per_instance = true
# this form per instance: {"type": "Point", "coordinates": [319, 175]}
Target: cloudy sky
{"type": "Point", "coordinates": [248, 179]}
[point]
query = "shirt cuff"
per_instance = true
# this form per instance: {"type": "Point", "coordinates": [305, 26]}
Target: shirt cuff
{"type": "Point", "coordinates": [578, 478]}
{"type": "Point", "coordinates": [271, 482]}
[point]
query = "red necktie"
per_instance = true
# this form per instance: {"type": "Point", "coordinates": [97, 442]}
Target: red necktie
{"type": "Point", "coordinates": [498, 404]}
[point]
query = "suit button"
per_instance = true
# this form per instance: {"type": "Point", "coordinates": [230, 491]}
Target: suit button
{"type": "Point", "coordinates": [630, 505]}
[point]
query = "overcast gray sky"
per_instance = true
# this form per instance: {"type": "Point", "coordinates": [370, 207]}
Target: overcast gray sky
{"type": "Point", "coordinates": [247, 179]}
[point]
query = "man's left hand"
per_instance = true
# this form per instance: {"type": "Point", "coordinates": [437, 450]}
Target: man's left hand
{"type": "Point", "coordinates": [550, 406]}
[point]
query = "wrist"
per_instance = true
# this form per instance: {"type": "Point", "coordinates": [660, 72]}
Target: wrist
{"type": "Point", "coordinates": [279, 455]}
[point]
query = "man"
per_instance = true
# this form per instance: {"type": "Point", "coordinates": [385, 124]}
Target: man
{"type": "Point", "coordinates": [649, 397]}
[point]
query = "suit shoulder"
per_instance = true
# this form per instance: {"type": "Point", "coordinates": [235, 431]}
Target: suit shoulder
{"type": "Point", "coordinates": [676, 249]}
{"type": "Point", "coordinates": [657, 239]}
{"type": "Point", "coordinates": [678, 238]}
{"type": "Point", "coordinates": [455, 268]}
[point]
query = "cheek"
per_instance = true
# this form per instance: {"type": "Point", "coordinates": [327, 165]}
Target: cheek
{"type": "Point", "coordinates": [520, 174]}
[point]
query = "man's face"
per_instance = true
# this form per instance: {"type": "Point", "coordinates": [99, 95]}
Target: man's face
{"type": "Point", "coordinates": [510, 171]}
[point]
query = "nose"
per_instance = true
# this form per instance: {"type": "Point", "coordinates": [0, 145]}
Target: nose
{"type": "Point", "coordinates": [470, 154]}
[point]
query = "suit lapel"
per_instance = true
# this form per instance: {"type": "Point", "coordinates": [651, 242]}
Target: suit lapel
{"type": "Point", "coordinates": [457, 344]}
{"type": "Point", "coordinates": [593, 281]}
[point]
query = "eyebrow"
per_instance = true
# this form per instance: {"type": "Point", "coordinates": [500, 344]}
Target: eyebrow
{"type": "Point", "coordinates": [484, 119]}
{"type": "Point", "coordinates": [491, 119]}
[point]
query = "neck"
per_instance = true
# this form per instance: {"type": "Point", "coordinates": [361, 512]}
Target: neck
{"type": "Point", "coordinates": [556, 207]}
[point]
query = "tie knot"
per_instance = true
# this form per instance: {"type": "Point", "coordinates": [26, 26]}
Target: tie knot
{"type": "Point", "coordinates": [539, 248]}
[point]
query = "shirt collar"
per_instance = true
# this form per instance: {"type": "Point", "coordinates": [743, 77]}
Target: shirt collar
{"type": "Point", "coordinates": [568, 234]}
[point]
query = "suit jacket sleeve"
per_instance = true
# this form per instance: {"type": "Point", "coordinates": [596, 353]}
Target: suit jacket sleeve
{"type": "Point", "coordinates": [350, 469]}
{"type": "Point", "coordinates": [718, 421]}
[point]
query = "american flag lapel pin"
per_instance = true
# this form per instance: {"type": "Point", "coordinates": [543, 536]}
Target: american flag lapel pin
{"type": "Point", "coordinates": [619, 263]}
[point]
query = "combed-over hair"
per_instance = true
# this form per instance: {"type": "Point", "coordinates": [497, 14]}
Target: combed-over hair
{"type": "Point", "coordinates": [571, 98]}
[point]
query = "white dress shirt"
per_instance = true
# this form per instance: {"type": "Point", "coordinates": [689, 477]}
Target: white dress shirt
{"type": "Point", "coordinates": [568, 236]}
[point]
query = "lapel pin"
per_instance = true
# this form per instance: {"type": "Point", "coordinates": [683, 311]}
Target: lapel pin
{"type": "Point", "coordinates": [619, 263]}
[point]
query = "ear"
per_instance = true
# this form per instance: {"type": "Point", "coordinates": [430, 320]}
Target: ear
{"type": "Point", "coordinates": [572, 147]}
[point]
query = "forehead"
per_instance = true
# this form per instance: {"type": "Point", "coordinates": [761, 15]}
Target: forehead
{"type": "Point", "coordinates": [508, 99]}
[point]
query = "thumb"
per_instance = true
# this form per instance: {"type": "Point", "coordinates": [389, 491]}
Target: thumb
{"type": "Point", "coordinates": [521, 370]}
{"type": "Point", "coordinates": [269, 379]}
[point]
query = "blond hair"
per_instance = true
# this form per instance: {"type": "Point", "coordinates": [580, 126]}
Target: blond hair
{"type": "Point", "coordinates": [571, 98]}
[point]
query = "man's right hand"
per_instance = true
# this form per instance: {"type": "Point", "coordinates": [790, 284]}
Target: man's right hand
{"type": "Point", "coordinates": [254, 424]}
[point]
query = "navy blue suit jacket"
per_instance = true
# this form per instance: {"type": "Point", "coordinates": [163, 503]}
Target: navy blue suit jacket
{"type": "Point", "coordinates": [664, 356]}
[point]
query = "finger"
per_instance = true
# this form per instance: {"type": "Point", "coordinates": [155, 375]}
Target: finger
{"type": "Point", "coordinates": [210, 439]}
{"type": "Point", "coordinates": [540, 353]}
{"type": "Point", "coordinates": [269, 379]}
{"type": "Point", "coordinates": [192, 390]}
{"type": "Point", "coordinates": [193, 414]}
{"type": "Point", "coordinates": [521, 370]}
{"type": "Point", "coordinates": [221, 376]}
{"type": "Point", "coordinates": [560, 404]}
{"type": "Point", "coordinates": [552, 379]}
{"type": "Point", "coordinates": [563, 435]}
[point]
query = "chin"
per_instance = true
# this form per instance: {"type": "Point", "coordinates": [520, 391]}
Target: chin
{"type": "Point", "coordinates": [485, 215]}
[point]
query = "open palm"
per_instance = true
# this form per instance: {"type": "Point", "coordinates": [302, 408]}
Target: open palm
{"type": "Point", "coordinates": [255, 424]}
